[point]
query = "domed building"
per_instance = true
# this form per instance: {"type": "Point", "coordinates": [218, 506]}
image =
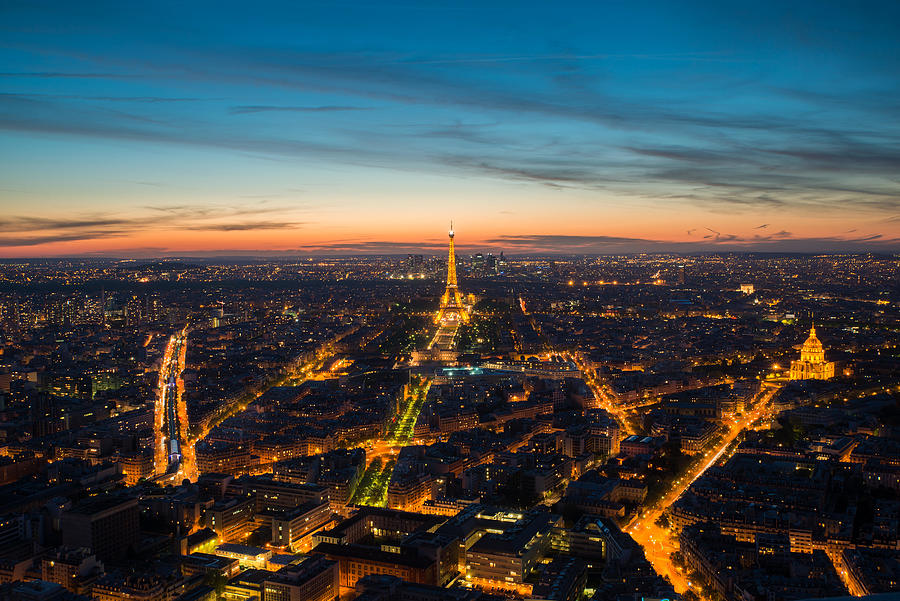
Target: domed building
{"type": "Point", "coordinates": [812, 364]}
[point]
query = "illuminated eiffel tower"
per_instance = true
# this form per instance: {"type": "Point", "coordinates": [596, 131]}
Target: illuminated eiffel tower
{"type": "Point", "coordinates": [452, 308]}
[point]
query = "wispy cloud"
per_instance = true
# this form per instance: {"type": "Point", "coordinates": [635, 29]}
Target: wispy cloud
{"type": "Point", "coordinates": [376, 247]}
{"type": "Point", "coordinates": [66, 75]}
{"type": "Point", "coordinates": [39, 240]}
{"type": "Point", "coordinates": [138, 99]}
{"type": "Point", "coordinates": [248, 226]}
{"type": "Point", "coordinates": [32, 231]}
{"type": "Point", "coordinates": [261, 108]}
{"type": "Point", "coordinates": [26, 224]}
{"type": "Point", "coordinates": [780, 242]}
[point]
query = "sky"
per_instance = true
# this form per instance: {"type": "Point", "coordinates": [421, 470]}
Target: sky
{"type": "Point", "coordinates": [223, 128]}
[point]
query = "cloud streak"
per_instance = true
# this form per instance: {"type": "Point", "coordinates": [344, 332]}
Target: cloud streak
{"type": "Point", "coordinates": [32, 231]}
{"type": "Point", "coordinates": [781, 242]}
{"type": "Point", "coordinates": [249, 109]}
{"type": "Point", "coordinates": [244, 227]}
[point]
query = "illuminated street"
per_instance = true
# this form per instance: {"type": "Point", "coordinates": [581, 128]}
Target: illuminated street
{"type": "Point", "coordinates": [605, 397]}
{"type": "Point", "coordinates": [659, 543]}
{"type": "Point", "coordinates": [296, 376]}
{"type": "Point", "coordinates": [160, 452]}
{"type": "Point", "coordinates": [381, 455]}
{"type": "Point", "coordinates": [372, 488]}
{"type": "Point", "coordinates": [174, 450]}
{"type": "Point", "coordinates": [402, 426]}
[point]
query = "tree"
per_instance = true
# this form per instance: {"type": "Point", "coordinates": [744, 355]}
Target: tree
{"type": "Point", "coordinates": [218, 581]}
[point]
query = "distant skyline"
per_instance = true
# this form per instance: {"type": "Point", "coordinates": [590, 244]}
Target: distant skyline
{"type": "Point", "coordinates": [364, 128]}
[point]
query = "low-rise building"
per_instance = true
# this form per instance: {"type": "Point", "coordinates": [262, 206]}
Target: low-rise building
{"type": "Point", "coordinates": [314, 579]}
{"type": "Point", "coordinates": [293, 529]}
{"type": "Point", "coordinates": [232, 519]}
{"type": "Point", "coordinates": [247, 556]}
{"type": "Point", "coordinates": [504, 560]}
{"type": "Point", "coordinates": [106, 524]}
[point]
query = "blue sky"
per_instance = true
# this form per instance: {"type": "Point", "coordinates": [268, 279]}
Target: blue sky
{"type": "Point", "coordinates": [364, 127]}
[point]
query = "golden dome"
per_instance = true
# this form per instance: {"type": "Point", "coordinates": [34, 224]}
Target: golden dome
{"type": "Point", "coordinates": [812, 343]}
{"type": "Point", "coordinates": [812, 350]}
{"type": "Point", "coordinates": [812, 364]}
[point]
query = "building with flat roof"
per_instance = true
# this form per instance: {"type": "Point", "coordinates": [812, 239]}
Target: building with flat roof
{"type": "Point", "coordinates": [504, 559]}
{"type": "Point", "coordinates": [247, 556]}
{"type": "Point", "coordinates": [106, 524]}
{"type": "Point", "coordinates": [293, 529]}
{"type": "Point", "coordinates": [594, 538]}
{"type": "Point", "coordinates": [358, 561]}
{"type": "Point", "coordinates": [273, 495]}
{"type": "Point", "coordinates": [249, 584]}
{"type": "Point", "coordinates": [206, 563]}
{"type": "Point", "coordinates": [379, 522]}
{"type": "Point", "coordinates": [562, 579]}
{"type": "Point", "coordinates": [382, 587]}
{"type": "Point", "coordinates": [314, 579]}
{"type": "Point", "coordinates": [871, 571]}
{"type": "Point", "coordinates": [232, 519]}
{"type": "Point", "coordinates": [74, 569]}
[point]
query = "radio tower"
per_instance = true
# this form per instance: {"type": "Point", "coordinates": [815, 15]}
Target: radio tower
{"type": "Point", "coordinates": [452, 308]}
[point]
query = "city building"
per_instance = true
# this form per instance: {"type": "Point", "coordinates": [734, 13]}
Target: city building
{"type": "Point", "coordinates": [293, 529]}
{"type": "Point", "coordinates": [231, 519]}
{"type": "Point", "coordinates": [246, 556]}
{"type": "Point", "coordinates": [139, 586]}
{"type": "Point", "coordinates": [74, 569]}
{"type": "Point", "coordinates": [358, 561]}
{"type": "Point", "coordinates": [314, 579]}
{"type": "Point", "coordinates": [108, 525]}
{"type": "Point", "coordinates": [504, 559]}
{"type": "Point", "coordinates": [409, 491]}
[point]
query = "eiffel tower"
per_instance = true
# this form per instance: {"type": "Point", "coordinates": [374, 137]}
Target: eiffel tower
{"type": "Point", "coordinates": [452, 308]}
